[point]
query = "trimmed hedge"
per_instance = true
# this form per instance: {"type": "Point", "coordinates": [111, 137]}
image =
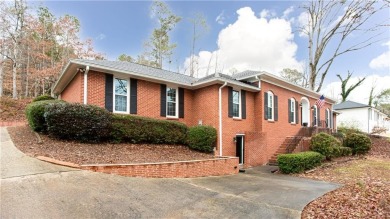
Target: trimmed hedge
{"type": "Point", "coordinates": [35, 114]}
{"type": "Point", "coordinates": [202, 138]}
{"type": "Point", "coordinates": [43, 97]}
{"type": "Point", "coordinates": [345, 151]}
{"type": "Point", "coordinates": [326, 145]}
{"type": "Point", "coordinates": [299, 162]}
{"type": "Point", "coordinates": [136, 129]}
{"type": "Point", "coordinates": [359, 143]}
{"type": "Point", "coordinates": [86, 123]}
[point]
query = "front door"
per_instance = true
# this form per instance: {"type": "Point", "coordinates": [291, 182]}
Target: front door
{"type": "Point", "coordinates": [240, 148]}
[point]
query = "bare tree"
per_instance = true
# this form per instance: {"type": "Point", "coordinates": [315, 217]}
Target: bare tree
{"type": "Point", "coordinates": [200, 26]}
{"type": "Point", "coordinates": [13, 18]}
{"type": "Point", "coordinates": [332, 23]}
{"type": "Point", "coordinates": [294, 76]}
{"type": "Point", "coordinates": [346, 91]}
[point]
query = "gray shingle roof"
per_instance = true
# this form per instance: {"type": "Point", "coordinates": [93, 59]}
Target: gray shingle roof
{"type": "Point", "coordinates": [129, 67]}
{"type": "Point", "coordinates": [349, 105]}
{"type": "Point", "coordinates": [144, 70]}
{"type": "Point", "coordinates": [247, 73]}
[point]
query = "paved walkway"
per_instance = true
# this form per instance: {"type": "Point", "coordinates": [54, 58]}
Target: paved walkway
{"type": "Point", "coordinates": [34, 189]}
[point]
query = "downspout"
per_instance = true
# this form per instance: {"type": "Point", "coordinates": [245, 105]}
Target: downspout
{"type": "Point", "coordinates": [86, 84]}
{"type": "Point", "coordinates": [368, 119]}
{"type": "Point", "coordinates": [220, 118]}
{"type": "Point", "coordinates": [257, 77]}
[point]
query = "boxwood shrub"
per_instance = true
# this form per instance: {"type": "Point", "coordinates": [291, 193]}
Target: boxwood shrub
{"type": "Point", "coordinates": [299, 162]}
{"type": "Point", "coordinates": [43, 97]}
{"type": "Point", "coordinates": [202, 138]}
{"type": "Point", "coordinates": [345, 151]}
{"type": "Point", "coordinates": [326, 145]}
{"type": "Point", "coordinates": [137, 129]}
{"type": "Point", "coordinates": [359, 143]}
{"type": "Point", "coordinates": [34, 113]}
{"type": "Point", "coordinates": [86, 123]}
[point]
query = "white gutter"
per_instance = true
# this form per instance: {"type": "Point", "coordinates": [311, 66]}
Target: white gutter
{"type": "Point", "coordinates": [86, 84]}
{"type": "Point", "coordinates": [220, 118]}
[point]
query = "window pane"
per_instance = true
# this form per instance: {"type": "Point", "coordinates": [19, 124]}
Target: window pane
{"type": "Point", "coordinates": [236, 97]}
{"type": "Point", "coordinates": [236, 110]}
{"type": "Point", "coordinates": [120, 86]}
{"type": "Point", "coordinates": [171, 95]}
{"type": "Point", "coordinates": [171, 109]}
{"type": "Point", "coordinates": [269, 113]}
{"type": "Point", "coordinates": [120, 103]}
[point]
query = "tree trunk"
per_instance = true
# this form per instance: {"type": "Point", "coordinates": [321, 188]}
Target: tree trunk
{"type": "Point", "coordinates": [1, 76]}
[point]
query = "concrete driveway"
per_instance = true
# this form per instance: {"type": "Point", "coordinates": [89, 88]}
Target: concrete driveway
{"type": "Point", "coordinates": [34, 189]}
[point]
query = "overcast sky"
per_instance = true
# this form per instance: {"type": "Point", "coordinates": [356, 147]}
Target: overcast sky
{"type": "Point", "coordinates": [243, 35]}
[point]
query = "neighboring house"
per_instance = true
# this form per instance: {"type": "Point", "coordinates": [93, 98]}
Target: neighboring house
{"type": "Point", "coordinates": [252, 111]}
{"type": "Point", "coordinates": [361, 116]}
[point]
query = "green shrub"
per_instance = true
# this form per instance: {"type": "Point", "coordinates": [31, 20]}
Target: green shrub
{"type": "Point", "coordinates": [75, 121]}
{"type": "Point", "coordinates": [34, 113]}
{"type": "Point", "coordinates": [299, 162]}
{"type": "Point", "coordinates": [43, 97]}
{"type": "Point", "coordinates": [325, 144]}
{"type": "Point", "coordinates": [360, 143]}
{"type": "Point", "coordinates": [136, 129]}
{"type": "Point", "coordinates": [345, 151]}
{"type": "Point", "coordinates": [202, 138]}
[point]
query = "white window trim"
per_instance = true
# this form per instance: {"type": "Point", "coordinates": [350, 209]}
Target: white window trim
{"type": "Point", "coordinates": [176, 103]}
{"type": "Point", "coordinates": [127, 98]}
{"type": "Point", "coordinates": [328, 120]}
{"type": "Point", "coordinates": [239, 103]}
{"type": "Point", "coordinates": [316, 117]}
{"type": "Point", "coordinates": [293, 110]}
{"type": "Point", "coordinates": [273, 105]}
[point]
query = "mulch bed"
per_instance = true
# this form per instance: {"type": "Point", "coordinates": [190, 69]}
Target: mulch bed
{"type": "Point", "coordinates": [366, 186]}
{"type": "Point", "coordinates": [104, 153]}
{"type": "Point", "coordinates": [13, 110]}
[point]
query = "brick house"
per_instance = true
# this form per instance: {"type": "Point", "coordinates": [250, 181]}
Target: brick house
{"type": "Point", "coordinates": [255, 113]}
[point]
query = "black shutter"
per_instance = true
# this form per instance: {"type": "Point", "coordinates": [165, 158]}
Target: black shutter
{"type": "Point", "coordinates": [230, 102]}
{"type": "Point", "coordinates": [243, 104]}
{"type": "Point", "coordinates": [163, 109]}
{"type": "Point", "coordinates": [289, 111]}
{"type": "Point", "coordinates": [133, 96]}
{"type": "Point", "coordinates": [326, 118]}
{"type": "Point", "coordinates": [181, 102]}
{"type": "Point", "coordinates": [265, 105]}
{"type": "Point", "coordinates": [314, 115]}
{"type": "Point", "coordinates": [276, 108]}
{"type": "Point", "coordinates": [296, 112]}
{"type": "Point", "coordinates": [109, 92]}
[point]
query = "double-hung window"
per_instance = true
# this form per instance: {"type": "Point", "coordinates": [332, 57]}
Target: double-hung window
{"type": "Point", "coordinates": [292, 110]}
{"type": "Point", "coordinates": [315, 116]}
{"type": "Point", "coordinates": [236, 103]}
{"type": "Point", "coordinates": [270, 111]}
{"type": "Point", "coordinates": [327, 118]}
{"type": "Point", "coordinates": [172, 106]}
{"type": "Point", "coordinates": [121, 95]}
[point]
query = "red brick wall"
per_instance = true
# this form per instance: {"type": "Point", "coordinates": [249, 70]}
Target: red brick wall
{"type": "Point", "coordinates": [74, 91]}
{"type": "Point", "coordinates": [205, 106]}
{"type": "Point", "coordinates": [278, 130]}
{"type": "Point", "coordinates": [96, 88]}
{"type": "Point", "coordinates": [181, 169]}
